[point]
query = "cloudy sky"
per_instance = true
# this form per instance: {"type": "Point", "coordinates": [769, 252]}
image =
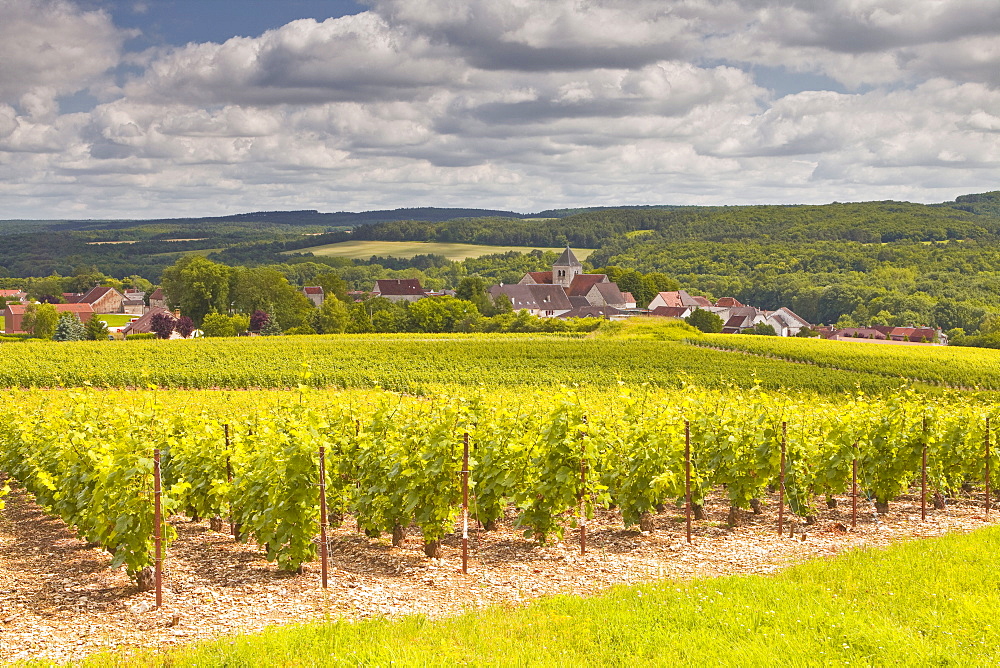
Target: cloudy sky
{"type": "Point", "coordinates": [207, 107]}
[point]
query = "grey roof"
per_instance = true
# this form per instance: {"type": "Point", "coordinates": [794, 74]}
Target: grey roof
{"type": "Point", "coordinates": [790, 318]}
{"type": "Point", "coordinates": [537, 297]}
{"type": "Point", "coordinates": [592, 312]}
{"type": "Point", "coordinates": [579, 301]}
{"type": "Point", "coordinates": [567, 259]}
{"type": "Point", "coordinates": [612, 295]}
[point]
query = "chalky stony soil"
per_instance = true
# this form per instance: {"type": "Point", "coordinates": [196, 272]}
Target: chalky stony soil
{"type": "Point", "coordinates": [59, 601]}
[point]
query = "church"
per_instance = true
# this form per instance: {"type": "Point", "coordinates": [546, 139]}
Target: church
{"type": "Point", "coordinates": [566, 292]}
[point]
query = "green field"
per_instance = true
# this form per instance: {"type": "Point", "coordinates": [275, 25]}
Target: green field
{"type": "Point", "coordinates": [950, 365]}
{"type": "Point", "coordinates": [362, 250]}
{"type": "Point", "coordinates": [921, 603]}
{"type": "Point", "coordinates": [410, 363]}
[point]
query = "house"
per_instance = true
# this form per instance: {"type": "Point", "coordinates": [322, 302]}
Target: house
{"type": "Point", "coordinates": [785, 322]}
{"type": "Point", "coordinates": [14, 313]}
{"type": "Point", "coordinates": [913, 334]}
{"type": "Point", "coordinates": [103, 300]}
{"type": "Point", "coordinates": [742, 318]}
{"type": "Point", "coordinates": [399, 289]}
{"type": "Point", "coordinates": [679, 298]}
{"type": "Point", "coordinates": [13, 295]}
{"type": "Point", "coordinates": [358, 295]}
{"type": "Point", "coordinates": [544, 301]}
{"type": "Point", "coordinates": [671, 311]}
{"type": "Point", "coordinates": [134, 306]}
{"type": "Point", "coordinates": [604, 312]}
{"type": "Point", "coordinates": [157, 299]}
{"type": "Point", "coordinates": [580, 289]}
{"type": "Point", "coordinates": [629, 300]}
{"type": "Point", "coordinates": [849, 333]}
{"type": "Point", "coordinates": [315, 294]}
{"type": "Point", "coordinates": [886, 334]}
{"type": "Point", "coordinates": [144, 324]}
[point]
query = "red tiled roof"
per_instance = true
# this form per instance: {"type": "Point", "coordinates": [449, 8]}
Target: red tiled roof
{"type": "Point", "coordinates": [95, 293]}
{"type": "Point", "coordinates": [670, 311]}
{"type": "Point", "coordinates": [313, 289]}
{"type": "Point", "coordinates": [629, 299]}
{"type": "Point", "coordinates": [728, 301]}
{"type": "Point", "coordinates": [541, 277]}
{"type": "Point", "coordinates": [582, 283]}
{"type": "Point", "coordinates": [670, 298]}
{"type": "Point", "coordinates": [144, 324]}
{"type": "Point", "coordinates": [157, 294]}
{"type": "Point", "coordinates": [9, 293]}
{"type": "Point", "coordinates": [18, 309]}
{"type": "Point", "coordinates": [701, 301]}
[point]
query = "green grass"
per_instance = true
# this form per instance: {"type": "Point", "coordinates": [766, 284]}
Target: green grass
{"type": "Point", "coordinates": [929, 602]}
{"type": "Point", "coordinates": [362, 250]}
{"type": "Point", "coordinates": [115, 319]}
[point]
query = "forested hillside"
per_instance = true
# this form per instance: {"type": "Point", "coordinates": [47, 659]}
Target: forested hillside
{"type": "Point", "coordinates": [871, 262]}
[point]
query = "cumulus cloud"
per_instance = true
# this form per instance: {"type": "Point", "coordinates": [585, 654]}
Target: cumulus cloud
{"type": "Point", "coordinates": [355, 58]}
{"type": "Point", "coordinates": [50, 48]}
{"type": "Point", "coordinates": [523, 104]}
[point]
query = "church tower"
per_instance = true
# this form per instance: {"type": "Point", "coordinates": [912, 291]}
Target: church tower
{"type": "Point", "coordinates": [566, 268]}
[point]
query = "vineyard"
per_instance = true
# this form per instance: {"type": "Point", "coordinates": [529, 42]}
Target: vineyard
{"type": "Point", "coordinates": [416, 364]}
{"type": "Point", "coordinates": [952, 366]}
{"type": "Point", "coordinates": [551, 458]}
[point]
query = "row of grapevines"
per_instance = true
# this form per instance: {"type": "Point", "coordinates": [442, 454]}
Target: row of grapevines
{"type": "Point", "coordinates": [395, 460]}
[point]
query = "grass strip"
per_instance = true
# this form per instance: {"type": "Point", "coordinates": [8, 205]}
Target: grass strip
{"type": "Point", "coordinates": [918, 603]}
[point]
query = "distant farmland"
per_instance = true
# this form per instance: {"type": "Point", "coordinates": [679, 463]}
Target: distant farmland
{"type": "Point", "coordinates": [362, 250]}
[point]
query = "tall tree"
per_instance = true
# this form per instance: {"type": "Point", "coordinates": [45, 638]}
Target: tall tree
{"type": "Point", "coordinates": [332, 317]}
{"type": "Point", "coordinates": [267, 289]}
{"type": "Point", "coordinates": [69, 328]}
{"type": "Point", "coordinates": [40, 320]}
{"type": "Point", "coordinates": [197, 287]}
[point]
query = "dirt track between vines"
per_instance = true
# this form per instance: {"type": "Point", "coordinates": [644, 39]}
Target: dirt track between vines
{"type": "Point", "coordinates": [59, 601]}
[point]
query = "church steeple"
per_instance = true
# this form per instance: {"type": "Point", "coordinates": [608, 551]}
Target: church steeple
{"type": "Point", "coordinates": [566, 268]}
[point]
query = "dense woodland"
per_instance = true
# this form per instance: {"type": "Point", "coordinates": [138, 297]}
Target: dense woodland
{"type": "Point", "coordinates": [858, 263]}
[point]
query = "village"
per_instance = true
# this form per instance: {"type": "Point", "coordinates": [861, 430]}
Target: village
{"type": "Point", "coordinates": [564, 292]}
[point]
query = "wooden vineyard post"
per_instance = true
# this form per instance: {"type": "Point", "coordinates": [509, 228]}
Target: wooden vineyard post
{"type": "Point", "coordinates": [987, 438]}
{"type": "Point", "coordinates": [465, 503]}
{"type": "Point", "coordinates": [854, 488]}
{"type": "Point", "coordinates": [229, 479]}
{"type": "Point", "coordinates": [357, 485]}
{"type": "Point", "coordinates": [923, 476]}
{"type": "Point", "coordinates": [322, 514]}
{"type": "Point", "coordinates": [157, 532]}
{"type": "Point", "coordinates": [583, 495]}
{"type": "Point", "coordinates": [781, 479]}
{"type": "Point", "coordinates": [687, 477]}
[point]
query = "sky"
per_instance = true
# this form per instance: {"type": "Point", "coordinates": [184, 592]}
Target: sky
{"type": "Point", "coordinates": [169, 108]}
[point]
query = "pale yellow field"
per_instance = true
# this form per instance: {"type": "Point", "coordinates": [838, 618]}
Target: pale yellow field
{"type": "Point", "coordinates": [362, 250]}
